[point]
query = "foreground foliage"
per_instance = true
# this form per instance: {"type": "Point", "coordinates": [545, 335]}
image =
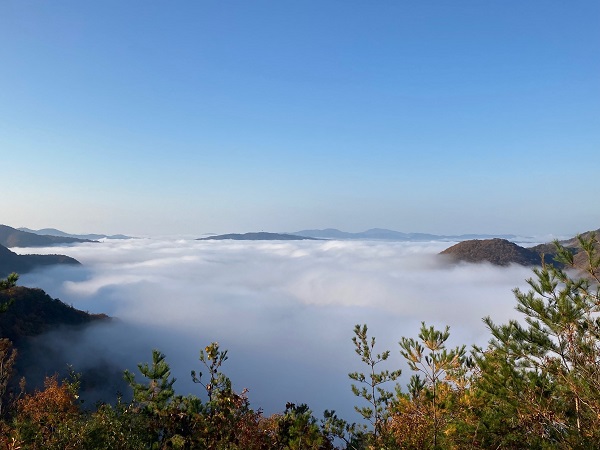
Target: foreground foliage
{"type": "Point", "coordinates": [536, 385]}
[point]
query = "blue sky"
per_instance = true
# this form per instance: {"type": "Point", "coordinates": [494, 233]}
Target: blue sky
{"type": "Point", "coordinates": [191, 117]}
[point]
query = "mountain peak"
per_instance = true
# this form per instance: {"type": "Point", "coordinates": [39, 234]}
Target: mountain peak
{"type": "Point", "coordinates": [500, 252]}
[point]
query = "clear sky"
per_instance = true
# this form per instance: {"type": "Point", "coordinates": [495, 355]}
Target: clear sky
{"type": "Point", "coordinates": [162, 117]}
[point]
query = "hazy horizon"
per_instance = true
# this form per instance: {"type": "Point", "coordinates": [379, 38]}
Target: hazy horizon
{"type": "Point", "coordinates": [523, 238]}
{"type": "Point", "coordinates": [538, 234]}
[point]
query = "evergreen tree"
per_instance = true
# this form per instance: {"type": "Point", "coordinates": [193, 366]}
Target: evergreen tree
{"type": "Point", "coordinates": [439, 367]}
{"type": "Point", "coordinates": [6, 284]}
{"type": "Point", "coordinates": [297, 429]}
{"type": "Point", "coordinates": [153, 399]}
{"type": "Point", "coordinates": [156, 394]}
{"type": "Point", "coordinates": [542, 374]}
{"type": "Point", "coordinates": [377, 397]}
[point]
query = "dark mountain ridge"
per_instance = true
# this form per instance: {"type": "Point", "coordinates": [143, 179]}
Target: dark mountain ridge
{"type": "Point", "coordinates": [34, 312]}
{"type": "Point", "coordinates": [59, 233]}
{"type": "Point", "coordinates": [502, 252]}
{"type": "Point", "coordinates": [12, 262]}
{"type": "Point", "coordinates": [42, 329]}
{"type": "Point", "coordinates": [11, 237]}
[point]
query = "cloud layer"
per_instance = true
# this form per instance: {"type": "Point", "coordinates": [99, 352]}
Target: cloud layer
{"type": "Point", "coordinates": [285, 310]}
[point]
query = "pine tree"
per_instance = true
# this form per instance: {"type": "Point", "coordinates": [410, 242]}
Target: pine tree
{"type": "Point", "coordinates": [543, 373]}
{"type": "Point", "coordinates": [431, 359]}
{"type": "Point", "coordinates": [156, 394]}
{"type": "Point", "coordinates": [6, 284]}
{"type": "Point", "coordinates": [372, 391]}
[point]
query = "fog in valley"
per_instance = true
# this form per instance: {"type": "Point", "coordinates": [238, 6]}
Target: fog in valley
{"type": "Point", "coordinates": [285, 310]}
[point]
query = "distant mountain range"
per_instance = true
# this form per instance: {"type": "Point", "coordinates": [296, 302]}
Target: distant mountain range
{"type": "Point", "coordinates": [12, 262]}
{"type": "Point", "coordinates": [391, 235]}
{"type": "Point", "coordinates": [58, 233]}
{"type": "Point", "coordinates": [12, 237]}
{"type": "Point", "coordinates": [259, 236]}
{"type": "Point", "coordinates": [334, 234]}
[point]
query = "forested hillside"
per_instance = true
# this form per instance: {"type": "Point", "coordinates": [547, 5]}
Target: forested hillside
{"type": "Point", "coordinates": [535, 385]}
{"type": "Point", "coordinates": [33, 312]}
{"type": "Point", "coordinates": [11, 262]}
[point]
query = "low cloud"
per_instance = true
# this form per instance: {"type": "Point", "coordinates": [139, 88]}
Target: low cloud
{"type": "Point", "coordinates": [285, 310]}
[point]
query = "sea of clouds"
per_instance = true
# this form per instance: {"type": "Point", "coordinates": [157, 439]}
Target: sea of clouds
{"type": "Point", "coordinates": [285, 310]}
